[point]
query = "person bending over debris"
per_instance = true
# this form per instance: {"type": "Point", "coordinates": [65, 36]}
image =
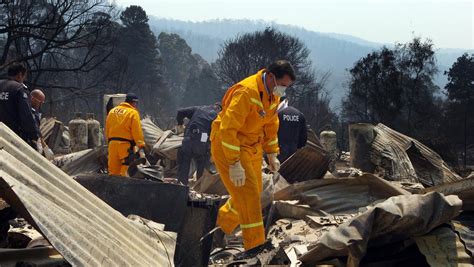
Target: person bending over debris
{"type": "Point", "coordinates": [123, 130]}
{"type": "Point", "coordinates": [245, 128]}
{"type": "Point", "coordinates": [293, 132]}
{"type": "Point", "coordinates": [196, 143]}
{"type": "Point", "coordinates": [37, 98]}
{"type": "Point", "coordinates": [15, 109]}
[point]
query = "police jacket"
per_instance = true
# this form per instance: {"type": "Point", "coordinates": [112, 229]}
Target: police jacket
{"type": "Point", "coordinates": [292, 132]}
{"type": "Point", "coordinates": [200, 120]}
{"type": "Point", "coordinates": [15, 110]}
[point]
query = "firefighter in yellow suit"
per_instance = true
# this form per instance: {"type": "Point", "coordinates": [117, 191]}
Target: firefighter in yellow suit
{"type": "Point", "coordinates": [246, 127]}
{"type": "Point", "coordinates": [123, 131]}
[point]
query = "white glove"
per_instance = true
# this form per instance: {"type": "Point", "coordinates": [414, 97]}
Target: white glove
{"type": "Point", "coordinates": [237, 174]}
{"type": "Point", "coordinates": [48, 153]}
{"type": "Point", "coordinates": [273, 162]}
{"type": "Point", "coordinates": [179, 129]}
{"type": "Point", "coordinates": [39, 147]}
{"type": "Point", "coordinates": [141, 153]}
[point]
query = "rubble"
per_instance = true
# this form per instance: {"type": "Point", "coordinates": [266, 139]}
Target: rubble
{"type": "Point", "coordinates": [443, 247]}
{"type": "Point", "coordinates": [396, 219]}
{"type": "Point", "coordinates": [396, 157]}
{"type": "Point", "coordinates": [162, 143]}
{"type": "Point", "coordinates": [84, 229]}
{"type": "Point", "coordinates": [56, 135]}
{"type": "Point", "coordinates": [398, 203]}
{"type": "Point", "coordinates": [464, 189]}
{"type": "Point", "coordinates": [340, 195]}
{"type": "Point", "coordinates": [21, 235]}
{"type": "Point", "coordinates": [329, 143]}
{"type": "Point", "coordinates": [308, 163]}
{"type": "Point", "coordinates": [83, 162]}
{"type": "Point", "coordinates": [210, 184]}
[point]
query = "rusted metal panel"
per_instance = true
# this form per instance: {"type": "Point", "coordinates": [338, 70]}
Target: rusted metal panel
{"type": "Point", "coordinates": [83, 162]}
{"type": "Point", "coordinates": [340, 195]}
{"type": "Point", "coordinates": [397, 157]}
{"type": "Point", "coordinates": [395, 219]}
{"type": "Point", "coordinates": [464, 189]}
{"type": "Point", "coordinates": [443, 247]}
{"type": "Point", "coordinates": [308, 163]}
{"type": "Point", "coordinates": [429, 167]}
{"type": "Point", "coordinates": [52, 131]}
{"type": "Point", "coordinates": [84, 229]}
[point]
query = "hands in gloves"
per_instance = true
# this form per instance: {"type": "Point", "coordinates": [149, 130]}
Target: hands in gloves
{"type": "Point", "coordinates": [273, 162]}
{"type": "Point", "coordinates": [237, 174]}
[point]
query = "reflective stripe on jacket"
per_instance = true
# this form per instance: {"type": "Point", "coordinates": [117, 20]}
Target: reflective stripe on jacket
{"type": "Point", "coordinates": [248, 118]}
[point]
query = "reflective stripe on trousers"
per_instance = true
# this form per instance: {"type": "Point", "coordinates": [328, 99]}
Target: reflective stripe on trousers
{"type": "Point", "coordinates": [244, 207]}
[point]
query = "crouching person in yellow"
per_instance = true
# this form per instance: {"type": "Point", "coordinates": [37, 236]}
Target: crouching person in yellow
{"type": "Point", "coordinates": [246, 127]}
{"type": "Point", "coordinates": [123, 131]}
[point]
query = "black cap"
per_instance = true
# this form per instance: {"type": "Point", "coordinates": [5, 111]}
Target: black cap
{"type": "Point", "coordinates": [131, 97]}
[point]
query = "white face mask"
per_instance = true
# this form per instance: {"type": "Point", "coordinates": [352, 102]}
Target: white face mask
{"type": "Point", "coordinates": [278, 90]}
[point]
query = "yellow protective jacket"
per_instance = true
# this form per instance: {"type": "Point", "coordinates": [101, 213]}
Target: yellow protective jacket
{"type": "Point", "coordinates": [123, 121]}
{"type": "Point", "coordinates": [248, 119]}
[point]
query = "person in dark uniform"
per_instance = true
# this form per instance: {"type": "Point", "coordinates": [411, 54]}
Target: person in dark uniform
{"type": "Point", "coordinates": [292, 132]}
{"type": "Point", "coordinates": [37, 99]}
{"type": "Point", "coordinates": [196, 144]}
{"type": "Point", "coordinates": [15, 109]}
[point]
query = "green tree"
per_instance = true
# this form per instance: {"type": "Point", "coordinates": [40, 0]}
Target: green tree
{"type": "Point", "coordinates": [140, 63]}
{"type": "Point", "coordinates": [202, 88]}
{"type": "Point", "coordinates": [395, 87]}
{"type": "Point", "coordinates": [460, 92]}
{"type": "Point", "coordinates": [190, 79]}
{"type": "Point", "coordinates": [374, 89]}
{"type": "Point", "coordinates": [417, 64]}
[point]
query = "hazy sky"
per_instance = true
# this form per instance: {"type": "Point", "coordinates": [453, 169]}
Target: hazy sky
{"type": "Point", "coordinates": [449, 23]}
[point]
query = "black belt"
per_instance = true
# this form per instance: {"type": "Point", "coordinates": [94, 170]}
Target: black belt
{"type": "Point", "coordinates": [132, 143]}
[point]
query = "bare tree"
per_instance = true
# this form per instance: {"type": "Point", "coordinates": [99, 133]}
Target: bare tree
{"type": "Point", "coordinates": [54, 36]}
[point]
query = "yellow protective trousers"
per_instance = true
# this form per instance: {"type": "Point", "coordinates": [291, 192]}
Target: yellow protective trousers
{"type": "Point", "coordinates": [118, 152]}
{"type": "Point", "coordinates": [244, 207]}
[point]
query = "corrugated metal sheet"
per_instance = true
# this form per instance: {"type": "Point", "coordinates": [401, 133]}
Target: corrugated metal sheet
{"type": "Point", "coordinates": [308, 163]}
{"type": "Point", "coordinates": [151, 132]}
{"type": "Point", "coordinates": [163, 143]}
{"type": "Point", "coordinates": [406, 159]}
{"type": "Point", "coordinates": [47, 127]}
{"type": "Point", "coordinates": [464, 226]}
{"type": "Point", "coordinates": [52, 131]}
{"type": "Point", "coordinates": [341, 195]}
{"type": "Point", "coordinates": [395, 219]}
{"type": "Point", "coordinates": [85, 230]}
{"type": "Point", "coordinates": [464, 189]}
{"type": "Point", "coordinates": [83, 162]}
{"type": "Point", "coordinates": [442, 247]}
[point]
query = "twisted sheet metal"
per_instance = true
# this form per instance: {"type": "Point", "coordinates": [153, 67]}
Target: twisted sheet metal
{"type": "Point", "coordinates": [85, 230]}
{"type": "Point", "coordinates": [341, 195]}
{"type": "Point", "coordinates": [407, 159]}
